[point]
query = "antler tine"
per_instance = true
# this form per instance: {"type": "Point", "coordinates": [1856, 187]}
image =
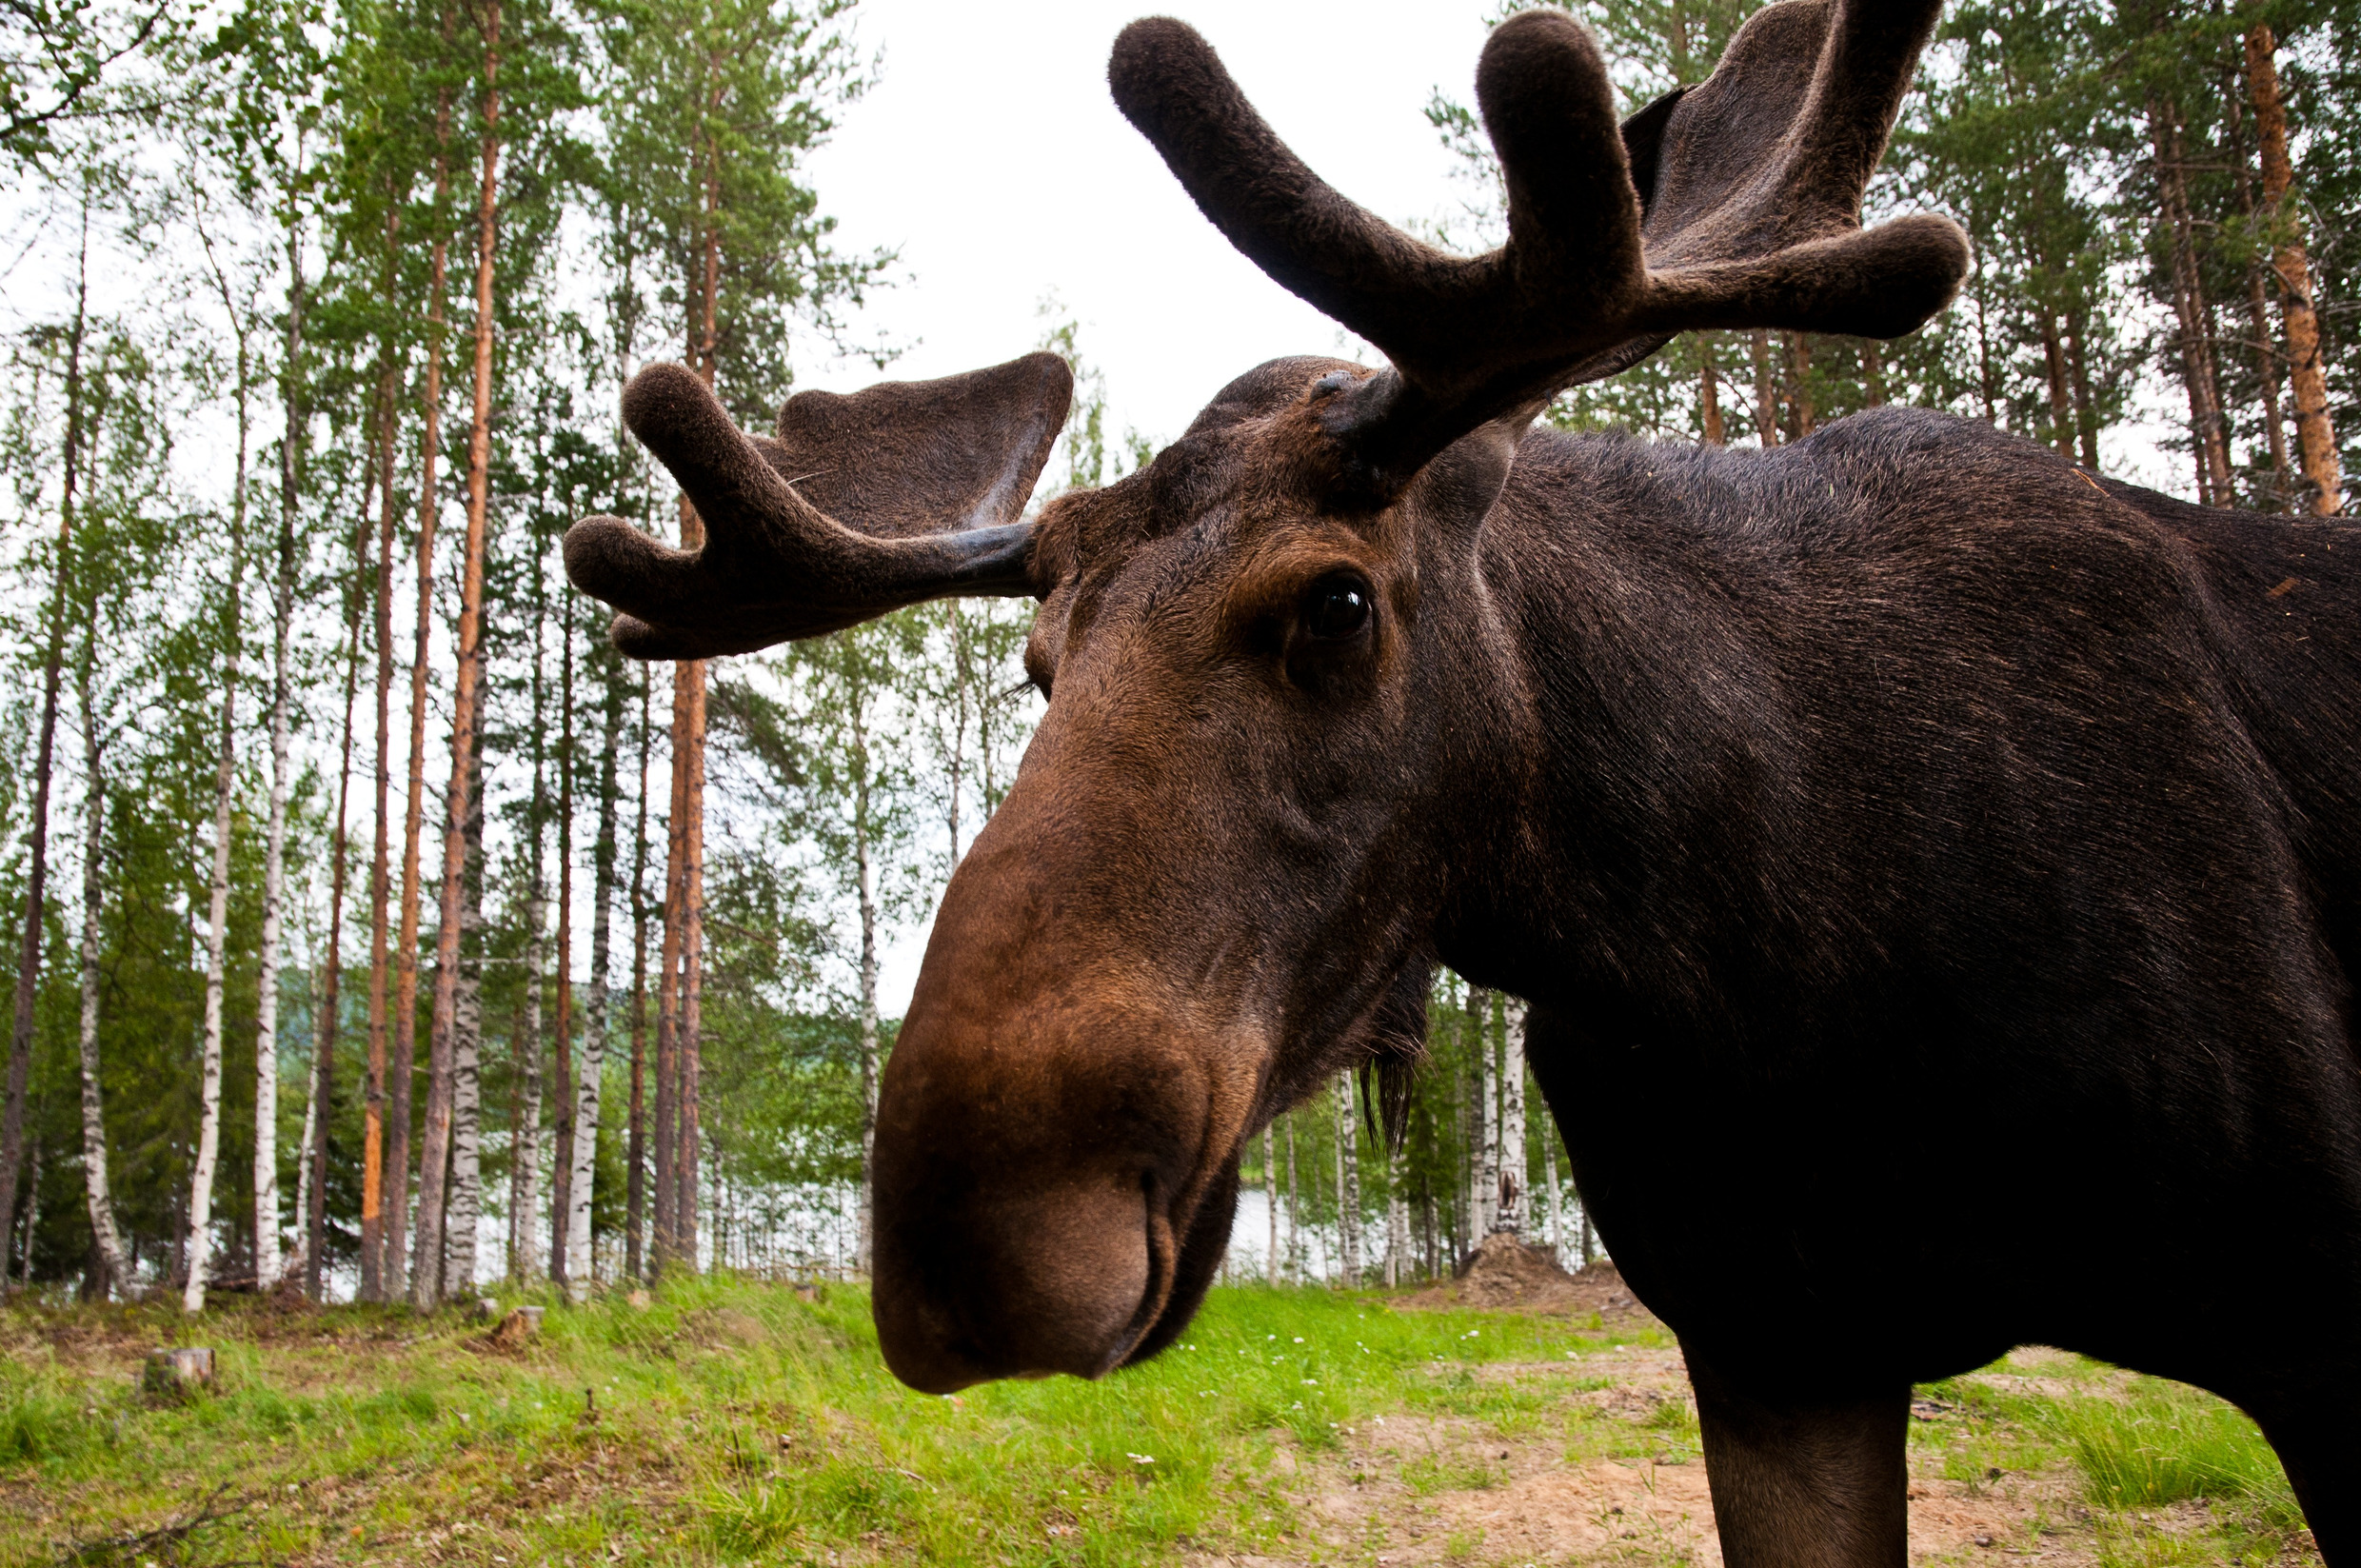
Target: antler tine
{"type": "Point", "coordinates": [1750, 185]}
{"type": "Point", "coordinates": [774, 566]}
{"type": "Point", "coordinates": [1810, 89]}
{"type": "Point", "coordinates": [1464, 333]}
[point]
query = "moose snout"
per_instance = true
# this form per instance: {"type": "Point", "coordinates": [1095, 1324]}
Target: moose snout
{"type": "Point", "coordinates": [993, 1283]}
{"type": "Point", "coordinates": [1038, 1184]}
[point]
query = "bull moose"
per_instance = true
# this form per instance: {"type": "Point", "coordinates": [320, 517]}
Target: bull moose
{"type": "Point", "coordinates": [1935, 872]}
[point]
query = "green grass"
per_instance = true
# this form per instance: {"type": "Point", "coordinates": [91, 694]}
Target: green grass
{"type": "Point", "coordinates": [2166, 1444]}
{"type": "Point", "coordinates": [730, 1423]}
{"type": "Point", "coordinates": [725, 1421]}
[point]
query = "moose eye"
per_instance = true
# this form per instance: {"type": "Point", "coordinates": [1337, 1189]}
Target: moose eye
{"type": "Point", "coordinates": [1337, 607]}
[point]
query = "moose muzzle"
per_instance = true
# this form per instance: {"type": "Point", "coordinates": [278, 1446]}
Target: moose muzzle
{"type": "Point", "coordinates": [1056, 1143]}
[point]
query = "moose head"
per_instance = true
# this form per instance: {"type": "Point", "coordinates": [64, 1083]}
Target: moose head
{"type": "Point", "coordinates": [1292, 733]}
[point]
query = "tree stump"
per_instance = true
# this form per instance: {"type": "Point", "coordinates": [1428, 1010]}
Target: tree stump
{"type": "Point", "coordinates": [175, 1374]}
{"type": "Point", "coordinates": [520, 1326]}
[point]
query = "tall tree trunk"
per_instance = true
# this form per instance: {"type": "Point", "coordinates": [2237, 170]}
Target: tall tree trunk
{"type": "Point", "coordinates": [464, 1201]}
{"type": "Point", "coordinates": [664, 1172]}
{"type": "Point", "coordinates": [1873, 373]}
{"type": "Point", "coordinates": [1766, 392]}
{"type": "Point", "coordinates": [1709, 405]}
{"type": "Point", "coordinates": [94, 1184]}
{"type": "Point", "coordinates": [2258, 303]}
{"type": "Point", "coordinates": [53, 666]}
{"type": "Point", "coordinates": [2086, 409]}
{"type": "Point", "coordinates": [1487, 1183]}
{"type": "Point", "coordinates": [32, 1210]}
{"type": "Point", "coordinates": [1512, 1122]}
{"type": "Point", "coordinates": [381, 878]}
{"type": "Point", "coordinates": [266, 1261]}
{"type": "Point", "coordinates": [2061, 399]}
{"type": "Point", "coordinates": [1348, 1185]}
{"type": "Point", "coordinates": [311, 1208]}
{"type": "Point", "coordinates": [635, 1134]}
{"type": "Point", "coordinates": [1295, 1212]}
{"type": "Point", "coordinates": [865, 869]}
{"type": "Point", "coordinates": [427, 1271]}
{"type": "Point", "coordinates": [1396, 1217]}
{"type": "Point", "coordinates": [404, 1066]}
{"type": "Point", "coordinates": [1556, 1198]}
{"type": "Point", "coordinates": [2323, 470]}
{"type": "Point", "coordinates": [689, 1048]}
{"type": "Point", "coordinates": [199, 1232]}
{"type": "Point", "coordinates": [2211, 454]}
{"type": "Point", "coordinates": [581, 1262]}
{"type": "Point", "coordinates": [1800, 382]}
{"type": "Point", "coordinates": [1987, 383]}
{"type": "Point", "coordinates": [524, 1126]}
{"type": "Point", "coordinates": [562, 1050]}
{"type": "Point", "coordinates": [1270, 1203]}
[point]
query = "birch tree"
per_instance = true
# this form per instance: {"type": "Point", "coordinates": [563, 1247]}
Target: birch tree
{"type": "Point", "coordinates": [240, 309]}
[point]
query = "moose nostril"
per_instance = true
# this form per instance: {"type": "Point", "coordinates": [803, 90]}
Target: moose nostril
{"type": "Point", "coordinates": [1333, 383]}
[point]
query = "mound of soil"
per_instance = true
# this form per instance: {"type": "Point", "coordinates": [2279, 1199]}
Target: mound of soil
{"type": "Point", "coordinates": [1508, 1276]}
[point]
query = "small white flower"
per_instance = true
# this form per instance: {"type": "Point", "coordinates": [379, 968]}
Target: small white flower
{"type": "Point", "coordinates": [1299, 1338]}
{"type": "Point", "coordinates": [1311, 1383]}
{"type": "Point", "coordinates": [1141, 1459]}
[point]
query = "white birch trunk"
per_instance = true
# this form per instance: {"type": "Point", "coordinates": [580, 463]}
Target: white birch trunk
{"type": "Point", "coordinates": [867, 874]}
{"type": "Point", "coordinates": [868, 1037]}
{"type": "Point", "coordinates": [581, 1258]}
{"type": "Point", "coordinates": [1270, 1203]}
{"type": "Point", "coordinates": [579, 1264]}
{"type": "Point", "coordinates": [1512, 1214]}
{"type": "Point", "coordinates": [1485, 1188]}
{"type": "Point", "coordinates": [200, 1234]}
{"type": "Point", "coordinates": [1556, 1198]}
{"type": "Point", "coordinates": [465, 1208]}
{"type": "Point", "coordinates": [1295, 1232]}
{"type": "Point", "coordinates": [266, 998]}
{"type": "Point", "coordinates": [210, 1081]}
{"type": "Point", "coordinates": [1348, 1185]}
{"type": "Point", "coordinates": [1396, 1219]}
{"type": "Point", "coordinates": [524, 1138]}
{"type": "Point", "coordinates": [296, 1255]}
{"type": "Point", "coordinates": [94, 1110]}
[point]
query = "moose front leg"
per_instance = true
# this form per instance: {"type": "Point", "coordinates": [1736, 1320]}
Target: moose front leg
{"type": "Point", "coordinates": [1804, 1486]}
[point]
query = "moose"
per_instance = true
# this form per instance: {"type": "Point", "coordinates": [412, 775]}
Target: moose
{"type": "Point", "coordinates": [1935, 871]}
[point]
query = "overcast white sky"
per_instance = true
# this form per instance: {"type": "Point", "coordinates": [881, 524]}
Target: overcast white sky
{"type": "Point", "coordinates": [991, 156]}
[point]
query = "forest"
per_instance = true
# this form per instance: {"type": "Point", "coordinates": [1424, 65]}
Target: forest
{"type": "Point", "coordinates": [378, 932]}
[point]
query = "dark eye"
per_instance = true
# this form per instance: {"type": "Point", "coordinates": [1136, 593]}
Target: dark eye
{"type": "Point", "coordinates": [1337, 607]}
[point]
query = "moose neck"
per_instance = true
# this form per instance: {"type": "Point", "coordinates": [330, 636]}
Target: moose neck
{"type": "Point", "coordinates": [1638, 755]}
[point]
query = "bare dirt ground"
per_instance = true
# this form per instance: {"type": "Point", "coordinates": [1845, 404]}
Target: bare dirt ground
{"type": "Point", "coordinates": [1600, 1463]}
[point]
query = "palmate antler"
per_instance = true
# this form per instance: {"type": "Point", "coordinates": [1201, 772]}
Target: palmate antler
{"type": "Point", "coordinates": [903, 492]}
{"type": "Point", "coordinates": [1731, 205]}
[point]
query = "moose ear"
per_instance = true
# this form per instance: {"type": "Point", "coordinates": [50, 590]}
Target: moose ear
{"type": "Point", "coordinates": [913, 457]}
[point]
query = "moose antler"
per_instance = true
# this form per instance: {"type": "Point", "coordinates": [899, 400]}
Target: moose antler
{"type": "Point", "coordinates": [1746, 213]}
{"type": "Point", "coordinates": [901, 492]}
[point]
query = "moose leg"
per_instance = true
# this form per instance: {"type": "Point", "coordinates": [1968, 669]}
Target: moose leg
{"type": "Point", "coordinates": [1804, 1486]}
{"type": "Point", "coordinates": [2323, 1462]}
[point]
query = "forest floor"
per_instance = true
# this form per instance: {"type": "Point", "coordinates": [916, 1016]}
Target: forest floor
{"type": "Point", "coordinates": [729, 1422]}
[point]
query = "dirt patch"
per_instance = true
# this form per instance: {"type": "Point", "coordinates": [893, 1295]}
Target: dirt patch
{"type": "Point", "coordinates": [1450, 1492]}
{"type": "Point", "coordinates": [1508, 1276]}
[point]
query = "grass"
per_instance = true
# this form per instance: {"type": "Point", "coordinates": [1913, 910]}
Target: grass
{"type": "Point", "coordinates": [729, 1421]}
{"type": "Point", "coordinates": [2166, 1444]}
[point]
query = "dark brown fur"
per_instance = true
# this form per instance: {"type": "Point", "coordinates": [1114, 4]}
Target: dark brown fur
{"type": "Point", "coordinates": [1934, 872]}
